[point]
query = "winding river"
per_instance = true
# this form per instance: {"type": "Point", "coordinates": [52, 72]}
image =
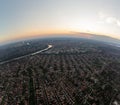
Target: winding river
{"type": "Point", "coordinates": [31, 54]}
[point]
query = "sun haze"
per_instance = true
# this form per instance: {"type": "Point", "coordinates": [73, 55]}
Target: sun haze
{"type": "Point", "coordinates": [26, 18]}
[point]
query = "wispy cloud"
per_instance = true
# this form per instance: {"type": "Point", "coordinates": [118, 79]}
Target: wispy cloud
{"type": "Point", "coordinates": [109, 19]}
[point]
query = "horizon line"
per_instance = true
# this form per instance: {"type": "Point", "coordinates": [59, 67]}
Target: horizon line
{"type": "Point", "coordinates": [52, 34]}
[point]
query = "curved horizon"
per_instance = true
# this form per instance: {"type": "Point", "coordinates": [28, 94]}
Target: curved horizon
{"type": "Point", "coordinates": [27, 18]}
{"type": "Point", "coordinates": [74, 34]}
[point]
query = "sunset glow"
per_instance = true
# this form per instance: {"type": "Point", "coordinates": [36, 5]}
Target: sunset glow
{"type": "Point", "coordinates": [27, 18]}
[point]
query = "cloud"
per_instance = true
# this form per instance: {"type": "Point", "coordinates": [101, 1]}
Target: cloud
{"type": "Point", "coordinates": [108, 19]}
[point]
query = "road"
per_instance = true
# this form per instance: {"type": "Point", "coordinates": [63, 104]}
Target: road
{"type": "Point", "coordinates": [31, 54]}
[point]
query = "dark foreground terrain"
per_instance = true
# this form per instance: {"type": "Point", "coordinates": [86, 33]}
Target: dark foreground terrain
{"type": "Point", "coordinates": [72, 72]}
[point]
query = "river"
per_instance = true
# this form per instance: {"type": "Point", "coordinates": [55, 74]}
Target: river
{"type": "Point", "coordinates": [31, 54]}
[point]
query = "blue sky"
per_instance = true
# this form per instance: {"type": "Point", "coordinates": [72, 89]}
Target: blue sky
{"type": "Point", "coordinates": [23, 18]}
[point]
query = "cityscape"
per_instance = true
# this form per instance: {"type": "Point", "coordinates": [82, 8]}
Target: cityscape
{"type": "Point", "coordinates": [59, 52]}
{"type": "Point", "coordinates": [70, 72]}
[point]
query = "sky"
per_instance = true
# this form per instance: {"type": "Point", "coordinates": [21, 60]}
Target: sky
{"type": "Point", "coordinates": [26, 18]}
